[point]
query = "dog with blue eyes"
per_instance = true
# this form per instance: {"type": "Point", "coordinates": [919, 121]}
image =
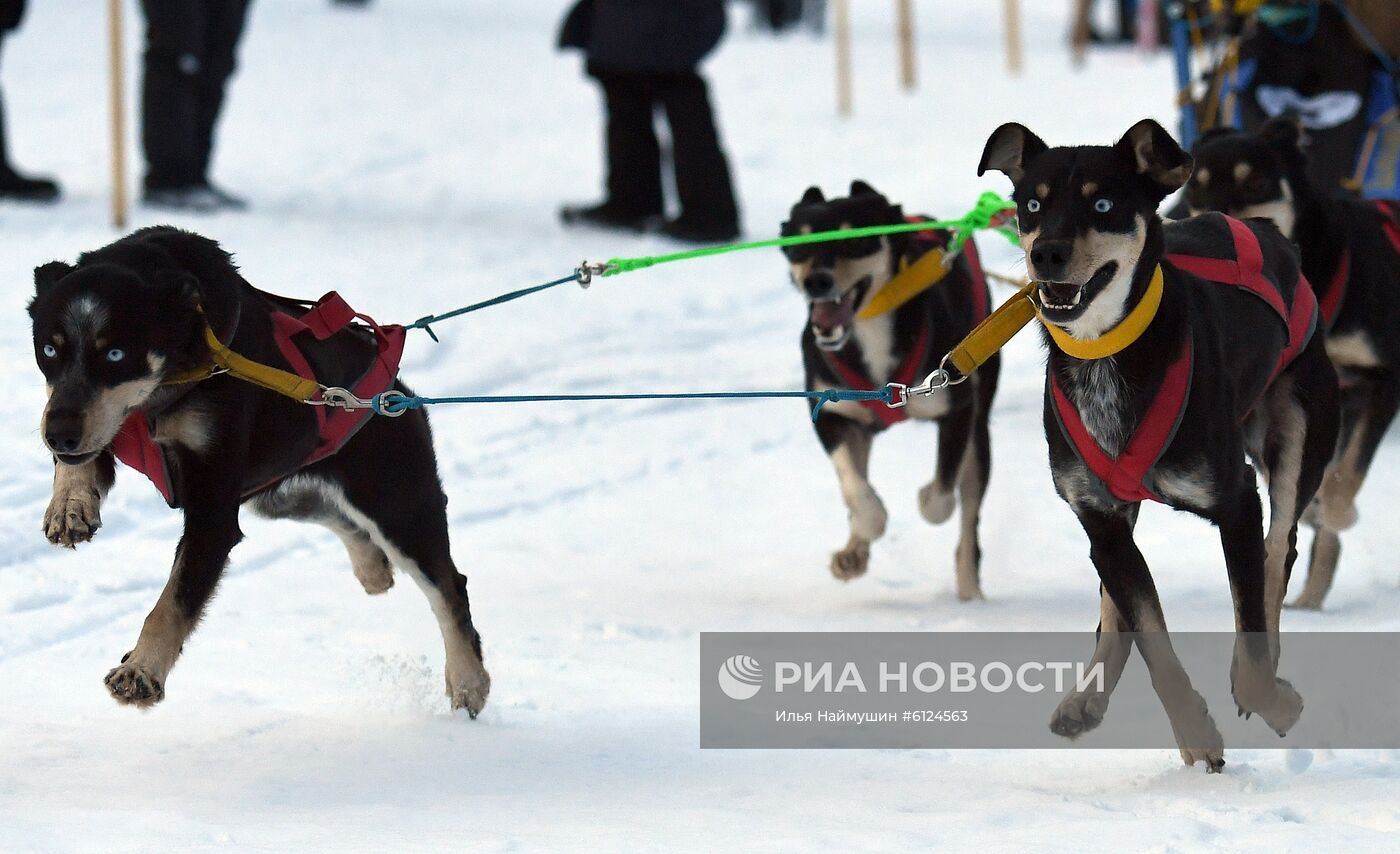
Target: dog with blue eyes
{"type": "Point", "coordinates": [884, 310]}
{"type": "Point", "coordinates": [157, 352]}
{"type": "Point", "coordinates": [1177, 355]}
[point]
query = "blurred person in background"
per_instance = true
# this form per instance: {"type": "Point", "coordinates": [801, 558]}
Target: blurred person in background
{"type": "Point", "coordinates": [190, 55]}
{"type": "Point", "coordinates": [644, 55]}
{"type": "Point", "coordinates": [13, 185]}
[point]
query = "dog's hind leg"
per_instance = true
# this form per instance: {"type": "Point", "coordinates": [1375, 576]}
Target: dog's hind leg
{"type": "Point", "coordinates": [1370, 408]}
{"type": "Point", "coordinates": [1128, 581]}
{"type": "Point", "coordinates": [973, 477]}
{"type": "Point", "coordinates": [313, 500]}
{"type": "Point", "coordinates": [848, 445]}
{"type": "Point", "coordinates": [1081, 711]}
{"type": "Point", "coordinates": [936, 498]}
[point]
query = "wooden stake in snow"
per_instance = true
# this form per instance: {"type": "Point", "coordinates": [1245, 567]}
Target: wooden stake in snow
{"type": "Point", "coordinates": [1011, 13]}
{"type": "Point", "coordinates": [843, 57]}
{"type": "Point", "coordinates": [908, 63]}
{"type": "Point", "coordinates": [117, 95]}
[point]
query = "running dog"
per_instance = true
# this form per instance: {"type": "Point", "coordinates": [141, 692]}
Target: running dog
{"type": "Point", "coordinates": [125, 340]}
{"type": "Point", "coordinates": [1351, 254]}
{"type": "Point", "coordinates": [1174, 353]}
{"type": "Point", "coordinates": [881, 310]}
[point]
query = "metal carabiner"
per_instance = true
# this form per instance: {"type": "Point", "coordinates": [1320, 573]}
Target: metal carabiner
{"type": "Point", "coordinates": [341, 398]}
{"type": "Point", "coordinates": [938, 380]}
{"type": "Point", "coordinates": [899, 395]}
{"type": "Point", "coordinates": [586, 270]}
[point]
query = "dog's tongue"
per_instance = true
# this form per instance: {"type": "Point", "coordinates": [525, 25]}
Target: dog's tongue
{"type": "Point", "coordinates": [827, 316]}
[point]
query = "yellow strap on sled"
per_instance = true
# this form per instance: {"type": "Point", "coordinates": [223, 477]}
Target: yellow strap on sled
{"type": "Point", "coordinates": [909, 282]}
{"type": "Point", "coordinates": [1128, 330]}
{"type": "Point", "coordinates": [225, 361]}
{"type": "Point", "coordinates": [991, 335]}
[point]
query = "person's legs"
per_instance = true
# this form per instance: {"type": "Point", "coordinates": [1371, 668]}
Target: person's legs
{"type": "Point", "coordinates": [12, 184]}
{"type": "Point", "coordinates": [223, 26]}
{"type": "Point", "coordinates": [634, 155]}
{"type": "Point", "coordinates": [708, 209]}
{"type": "Point", "coordinates": [173, 62]}
{"type": "Point", "coordinates": [634, 196]}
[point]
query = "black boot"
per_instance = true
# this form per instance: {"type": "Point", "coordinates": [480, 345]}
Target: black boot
{"type": "Point", "coordinates": [21, 188]}
{"type": "Point", "coordinates": [608, 215]}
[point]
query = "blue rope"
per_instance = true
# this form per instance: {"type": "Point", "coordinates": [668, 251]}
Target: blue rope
{"type": "Point", "coordinates": [398, 404]}
{"type": "Point", "coordinates": [423, 322]}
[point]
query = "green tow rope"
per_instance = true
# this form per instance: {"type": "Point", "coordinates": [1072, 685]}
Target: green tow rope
{"type": "Point", "coordinates": [991, 212]}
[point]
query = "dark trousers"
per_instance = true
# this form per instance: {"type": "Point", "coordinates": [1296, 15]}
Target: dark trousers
{"type": "Point", "coordinates": [190, 54]}
{"type": "Point", "coordinates": [634, 155]}
{"type": "Point", "coordinates": [6, 170]}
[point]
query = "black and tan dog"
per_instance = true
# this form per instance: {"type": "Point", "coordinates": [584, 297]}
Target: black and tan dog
{"type": "Point", "coordinates": [110, 335]}
{"type": "Point", "coordinates": [1175, 353]}
{"type": "Point", "coordinates": [1351, 255]}
{"type": "Point", "coordinates": [881, 310]}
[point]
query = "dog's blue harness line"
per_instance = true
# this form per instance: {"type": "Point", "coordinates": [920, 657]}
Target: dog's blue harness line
{"type": "Point", "coordinates": [395, 403]}
{"type": "Point", "coordinates": [582, 275]}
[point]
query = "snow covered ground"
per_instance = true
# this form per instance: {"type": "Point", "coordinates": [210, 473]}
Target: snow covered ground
{"type": "Point", "coordinates": [412, 156]}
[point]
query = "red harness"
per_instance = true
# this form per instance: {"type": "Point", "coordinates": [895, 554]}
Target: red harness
{"type": "Point", "coordinates": [854, 375]}
{"type": "Point", "coordinates": [1127, 476]}
{"type": "Point", "coordinates": [135, 446]}
{"type": "Point", "coordinates": [1330, 303]}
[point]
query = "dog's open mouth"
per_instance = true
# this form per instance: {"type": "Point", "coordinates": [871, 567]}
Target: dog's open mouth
{"type": "Point", "coordinates": [833, 320]}
{"type": "Point", "coordinates": [75, 459]}
{"type": "Point", "coordinates": [1065, 300]}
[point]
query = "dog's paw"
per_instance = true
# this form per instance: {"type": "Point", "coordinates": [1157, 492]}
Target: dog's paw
{"type": "Point", "coordinates": [868, 516]}
{"type": "Point", "coordinates": [1078, 713]}
{"type": "Point", "coordinates": [936, 504]}
{"type": "Point", "coordinates": [1280, 712]}
{"type": "Point", "coordinates": [469, 690]}
{"type": "Point", "coordinates": [1214, 757]}
{"type": "Point", "coordinates": [376, 575]}
{"type": "Point", "coordinates": [1306, 602]}
{"type": "Point", "coordinates": [130, 684]}
{"type": "Point", "coordinates": [73, 517]}
{"type": "Point", "coordinates": [852, 561]}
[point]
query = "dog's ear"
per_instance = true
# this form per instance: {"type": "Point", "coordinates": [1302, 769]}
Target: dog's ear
{"type": "Point", "coordinates": [1284, 133]}
{"type": "Point", "coordinates": [1009, 149]}
{"type": "Point", "coordinates": [46, 275]}
{"type": "Point", "coordinates": [1213, 133]}
{"type": "Point", "coordinates": [813, 196]}
{"type": "Point", "coordinates": [1157, 156]}
{"type": "Point", "coordinates": [860, 188]}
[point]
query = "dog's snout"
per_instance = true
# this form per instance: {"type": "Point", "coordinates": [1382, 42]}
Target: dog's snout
{"type": "Point", "coordinates": [819, 284]}
{"type": "Point", "coordinates": [63, 431]}
{"type": "Point", "coordinates": [1050, 259]}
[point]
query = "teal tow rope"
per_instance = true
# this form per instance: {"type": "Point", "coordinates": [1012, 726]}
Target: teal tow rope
{"type": "Point", "coordinates": [395, 403]}
{"type": "Point", "coordinates": [423, 323]}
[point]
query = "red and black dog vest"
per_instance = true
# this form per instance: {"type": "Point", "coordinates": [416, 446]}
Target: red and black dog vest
{"type": "Point", "coordinates": [846, 365]}
{"type": "Point", "coordinates": [1330, 304]}
{"type": "Point", "coordinates": [135, 446]}
{"type": "Point", "coordinates": [1128, 476]}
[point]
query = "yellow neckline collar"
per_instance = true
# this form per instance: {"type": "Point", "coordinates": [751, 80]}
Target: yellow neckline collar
{"type": "Point", "coordinates": [1128, 330]}
{"type": "Point", "coordinates": [911, 280]}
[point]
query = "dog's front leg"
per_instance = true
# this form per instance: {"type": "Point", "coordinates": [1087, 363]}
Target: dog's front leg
{"type": "Point", "coordinates": [211, 532]}
{"type": "Point", "coordinates": [1258, 593]}
{"type": "Point", "coordinates": [75, 511]}
{"type": "Point", "coordinates": [848, 445]}
{"type": "Point", "coordinates": [1081, 711]}
{"type": "Point", "coordinates": [1126, 578]}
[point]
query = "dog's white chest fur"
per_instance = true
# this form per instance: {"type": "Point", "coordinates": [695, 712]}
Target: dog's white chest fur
{"type": "Point", "coordinates": [1099, 395]}
{"type": "Point", "coordinates": [876, 339]}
